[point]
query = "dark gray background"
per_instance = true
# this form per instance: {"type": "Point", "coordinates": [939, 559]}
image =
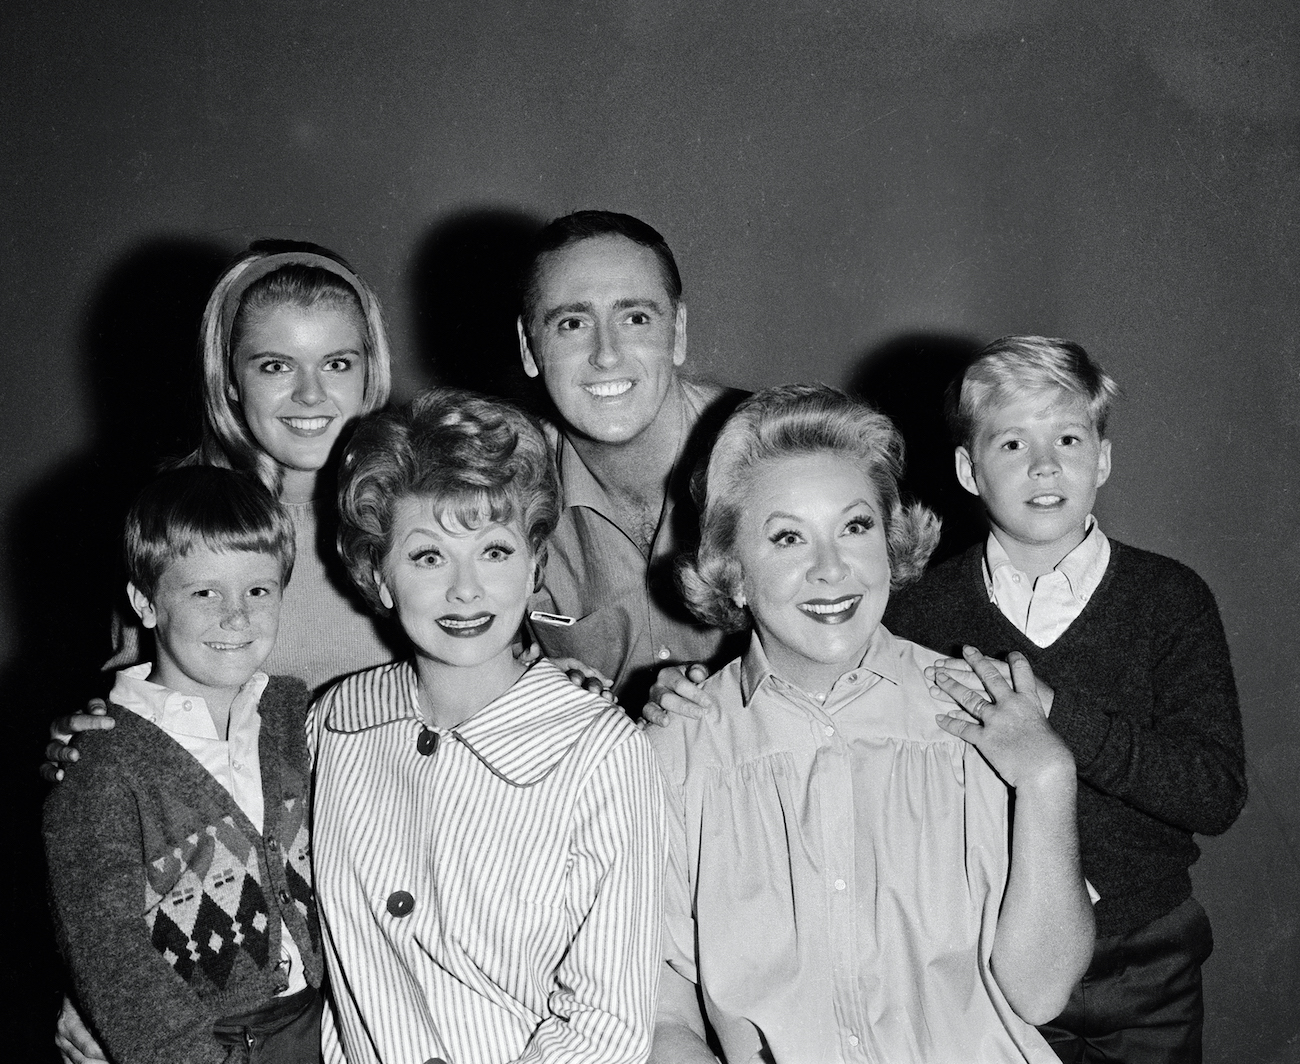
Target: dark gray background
{"type": "Point", "coordinates": [856, 192]}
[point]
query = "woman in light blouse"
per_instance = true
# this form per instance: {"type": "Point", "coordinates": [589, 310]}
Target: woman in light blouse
{"type": "Point", "coordinates": [844, 879]}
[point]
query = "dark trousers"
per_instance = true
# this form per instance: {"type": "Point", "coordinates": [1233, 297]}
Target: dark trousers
{"type": "Point", "coordinates": [1140, 1000]}
{"type": "Point", "coordinates": [283, 1031]}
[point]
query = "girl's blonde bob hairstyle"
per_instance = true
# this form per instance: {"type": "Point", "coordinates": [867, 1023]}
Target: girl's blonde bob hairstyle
{"type": "Point", "coordinates": [785, 422]}
{"type": "Point", "coordinates": [272, 274]}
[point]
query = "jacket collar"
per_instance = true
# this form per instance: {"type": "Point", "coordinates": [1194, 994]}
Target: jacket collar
{"type": "Point", "coordinates": [521, 737]}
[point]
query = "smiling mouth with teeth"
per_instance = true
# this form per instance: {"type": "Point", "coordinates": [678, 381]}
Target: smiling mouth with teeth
{"type": "Point", "coordinates": [1046, 500]}
{"type": "Point", "coordinates": [466, 625]}
{"type": "Point", "coordinates": [229, 646]}
{"type": "Point", "coordinates": [608, 389]}
{"type": "Point", "coordinates": [307, 424]}
{"type": "Point", "coordinates": [831, 610]}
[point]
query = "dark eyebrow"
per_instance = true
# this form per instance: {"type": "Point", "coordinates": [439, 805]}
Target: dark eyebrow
{"type": "Point", "coordinates": [563, 309]}
{"type": "Point", "coordinates": [588, 308]}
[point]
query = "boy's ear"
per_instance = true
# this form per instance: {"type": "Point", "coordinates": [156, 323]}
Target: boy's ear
{"type": "Point", "coordinates": [1103, 463]}
{"type": "Point", "coordinates": [142, 606]}
{"type": "Point", "coordinates": [679, 334]}
{"type": "Point", "coordinates": [965, 470]}
{"type": "Point", "coordinates": [525, 349]}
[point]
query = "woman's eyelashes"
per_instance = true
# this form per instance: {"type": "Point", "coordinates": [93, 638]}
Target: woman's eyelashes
{"type": "Point", "coordinates": [431, 556]}
{"type": "Point", "coordinates": [860, 525]}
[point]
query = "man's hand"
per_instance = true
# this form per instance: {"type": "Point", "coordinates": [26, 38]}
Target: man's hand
{"type": "Point", "coordinates": [678, 691]}
{"type": "Point", "coordinates": [584, 676]}
{"type": "Point", "coordinates": [59, 751]}
{"type": "Point", "coordinates": [73, 1040]}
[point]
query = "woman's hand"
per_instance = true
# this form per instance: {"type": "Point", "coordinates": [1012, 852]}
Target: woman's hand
{"type": "Point", "coordinates": [1006, 722]}
{"type": "Point", "coordinates": [73, 1040]}
{"type": "Point", "coordinates": [965, 675]}
{"type": "Point", "coordinates": [678, 691]}
{"type": "Point", "coordinates": [59, 751]}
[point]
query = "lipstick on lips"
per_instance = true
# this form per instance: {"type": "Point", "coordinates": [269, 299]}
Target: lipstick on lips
{"type": "Point", "coordinates": [831, 611]}
{"type": "Point", "coordinates": [461, 627]}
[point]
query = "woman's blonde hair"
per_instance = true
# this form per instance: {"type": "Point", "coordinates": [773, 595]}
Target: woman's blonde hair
{"type": "Point", "coordinates": [784, 422]}
{"type": "Point", "coordinates": [271, 274]}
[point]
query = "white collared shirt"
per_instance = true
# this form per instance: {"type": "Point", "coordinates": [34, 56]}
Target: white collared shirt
{"type": "Point", "coordinates": [1044, 608]}
{"type": "Point", "coordinates": [490, 892]}
{"type": "Point", "coordinates": [233, 762]}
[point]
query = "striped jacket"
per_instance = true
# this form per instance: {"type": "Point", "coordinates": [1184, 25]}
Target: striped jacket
{"type": "Point", "coordinates": [490, 893]}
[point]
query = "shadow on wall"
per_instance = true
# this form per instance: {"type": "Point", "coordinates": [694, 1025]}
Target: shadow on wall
{"type": "Point", "coordinates": [464, 285]}
{"type": "Point", "coordinates": [138, 347]}
{"type": "Point", "coordinates": [905, 378]}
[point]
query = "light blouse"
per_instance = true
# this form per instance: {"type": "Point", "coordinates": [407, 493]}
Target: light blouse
{"type": "Point", "coordinates": [836, 869]}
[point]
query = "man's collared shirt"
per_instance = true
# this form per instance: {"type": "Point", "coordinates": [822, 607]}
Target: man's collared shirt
{"type": "Point", "coordinates": [836, 869]}
{"type": "Point", "coordinates": [491, 892]}
{"type": "Point", "coordinates": [627, 615]}
{"type": "Point", "coordinates": [1044, 608]}
{"type": "Point", "coordinates": [233, 762]}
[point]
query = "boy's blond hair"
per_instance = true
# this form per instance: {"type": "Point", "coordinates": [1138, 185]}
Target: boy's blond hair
{"type": "Point", "coordinates": [1016, 365]}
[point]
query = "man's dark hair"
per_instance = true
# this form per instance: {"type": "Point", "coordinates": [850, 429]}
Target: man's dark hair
{"type": "Point", "coordinates": [584, 225]}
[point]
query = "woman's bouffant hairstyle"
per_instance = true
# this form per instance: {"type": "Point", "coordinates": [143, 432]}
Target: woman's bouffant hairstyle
{"type": "Point", "coordinates": [1017, 365]}
{"type": "Point", "coordinates": [222, 509]}
{"type": "Point", "coordinates": [477, 460]}
{"type": "Point", "coordinates": [786, 422]}
{"type": "Point", "coordinates": [274, 273]}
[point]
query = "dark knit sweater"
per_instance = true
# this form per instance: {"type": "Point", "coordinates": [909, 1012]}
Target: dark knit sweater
{"type": "Point", "coordinates": [1145, 699]}
{"type": "Point", "coordinates": [167, 901]}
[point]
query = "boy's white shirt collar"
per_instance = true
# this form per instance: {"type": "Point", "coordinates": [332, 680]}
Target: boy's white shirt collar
{"type": "Point", "coordinates": [1082, 568]}
{"type": "Point", "coordinates": [1043, 609]}
{"type": "Point", "coordinates": [179, 713]}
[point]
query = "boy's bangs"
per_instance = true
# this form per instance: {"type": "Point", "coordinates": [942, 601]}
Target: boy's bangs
{"type": "Point", "coordinates": [238, 541]}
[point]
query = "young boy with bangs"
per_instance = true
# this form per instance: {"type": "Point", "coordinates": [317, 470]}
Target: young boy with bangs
{"type": "Point", "coordinates": [1133, 670]}
{"type": "Point", "coordinates": [177, 846]}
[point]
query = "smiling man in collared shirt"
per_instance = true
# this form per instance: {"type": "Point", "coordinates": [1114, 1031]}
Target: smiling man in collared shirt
{"type": "Point", "coordinates": [604, 327]}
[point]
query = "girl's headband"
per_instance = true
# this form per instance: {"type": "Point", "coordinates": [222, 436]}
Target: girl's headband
{"type": "Point", "coordinates": [259, 268]}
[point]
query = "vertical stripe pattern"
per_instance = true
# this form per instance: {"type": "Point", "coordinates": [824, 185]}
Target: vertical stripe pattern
{"type": "Point", "coordinates": [498, 900]}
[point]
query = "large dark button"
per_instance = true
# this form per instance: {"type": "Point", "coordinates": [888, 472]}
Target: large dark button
{"type": "Point", "coordinates": [272, 845]}
{"type": "Point", "coordinates": [427, 743]}
{"type": "Point", "coordinates": [435, 1060]}
{"type": "Point", "coordinates": [285, 896]}
{"type": "Point", "coordinates": [400, 903]}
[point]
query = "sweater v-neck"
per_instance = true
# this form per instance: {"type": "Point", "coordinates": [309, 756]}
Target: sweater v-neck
{"type": "Point", "coordinates": [1061, 644]}
{"type": "Point", "coordinates": [178, 761]}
